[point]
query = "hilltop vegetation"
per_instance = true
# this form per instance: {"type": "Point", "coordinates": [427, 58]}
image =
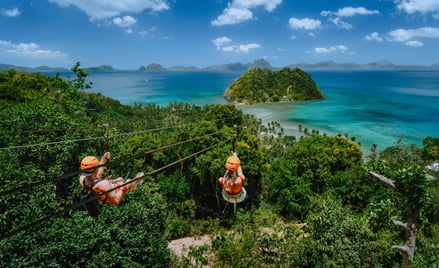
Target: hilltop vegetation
{"type": "Point", "coordinates": [259, 86]}
{"type": "Point", "coordinates": [153, 67]}
{"type": "Point", "coordinates": [311, 202]}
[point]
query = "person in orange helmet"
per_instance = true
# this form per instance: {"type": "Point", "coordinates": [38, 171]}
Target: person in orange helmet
{"type": "Point", "coordinates": [90, 180]}
{"type": "Point", "coordinates": [233, 181]}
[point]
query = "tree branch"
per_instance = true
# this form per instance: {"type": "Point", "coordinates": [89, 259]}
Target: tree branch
{"type": "Point", "coordinates": [384, 179]}
{"type": "Point", "coordinates": [405, 249]}
{"type": "Point", "coordinates": [404, 225]}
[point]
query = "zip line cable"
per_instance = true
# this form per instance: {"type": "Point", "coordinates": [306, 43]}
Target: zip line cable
{"type": "Point", "coordinates": [167, 127]}
{"type": "Point", "coordinates": [65, 129]}
{"type": "Point", "coordinates": [67, 209]}
{"type": "Point", "coordinates": [73, 173]}
{"type": "Point", "coordinates": [38, 183]}
{"type": "Point", "coordinates": [42, 130]}
{"type": "Point", "coordinates": [49, 143]}
{"type": "Point", "coordinates": [112, 136]}
{"type": "Point", "coordinates": [179, 143]}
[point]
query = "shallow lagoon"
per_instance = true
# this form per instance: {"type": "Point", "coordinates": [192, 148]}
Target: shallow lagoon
{"type": "Point", "coordinates": [375, 107]}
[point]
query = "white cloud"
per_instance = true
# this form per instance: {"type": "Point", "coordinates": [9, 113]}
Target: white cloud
{"type": "Point", "coordinates": [352, 11]}
{"type": "Point", "coordinates": [14, 12]}
{"type": "Point", "coordinates": [245, 48]}
{"type": "Point", "coordinates": [149, 32]}
{"type": "Point", "coordinates": [269, 5]}
{"type": "Point", "coordinates": [414, 43]}
{"type": "Point", "coordinates": [125, 22]}
{"type": "Point", "coordinates": [305, 23]}
{"type": "Point", "coordinates": [340, 48]}
{"type": "Point", "coordinates": [341, 23]}
{"type": "Point", "coordinates": [232, 16]}
{"type": "Point", "coordinates": [312, 35]}
{"type": "Point", "coordinates": [221, 41]}
{"type": "Point", "coordinates": [239, 48]}
{"type": "Point", "coordinates": [29, 50]}
{"type": "Point", "coordinates": [374, 37]}
{"type": "Point", "coordinates": [221, 44]}
{"type": "Point", "coordinates": [422, 6]}
{"type": "Point", "coordinates": [240, 10]}
{"type": "Point", "coordinates": [336, 17]}
{"type": "Point", "coordinates": [104, 9]}
{"type": "Point", "coordinates": [402, 35]}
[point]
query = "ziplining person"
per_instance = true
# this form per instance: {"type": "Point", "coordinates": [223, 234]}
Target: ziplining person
{"type": "Point", "coordinates": [233, 180]}
{"type": "Point", "coordinates": [91, 181]}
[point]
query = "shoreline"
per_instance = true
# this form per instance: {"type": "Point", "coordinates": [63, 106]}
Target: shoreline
{"type": "Point", "coordinates": [277, 112]}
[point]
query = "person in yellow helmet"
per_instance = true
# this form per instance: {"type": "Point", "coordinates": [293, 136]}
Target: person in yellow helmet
{"type": "Point", "coordinates": [90, 179]}
{"type": "Point", "coordinates": [233, 180]}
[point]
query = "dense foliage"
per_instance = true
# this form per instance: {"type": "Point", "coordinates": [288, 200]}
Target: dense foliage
{"type": "Point", "coordinates": [263, 85]}
{"type": "Point", "coordinates": [311, 202]}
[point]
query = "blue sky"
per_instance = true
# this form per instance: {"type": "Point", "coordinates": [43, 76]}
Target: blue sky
{"type": "Point", "coordinates": [132, 33]}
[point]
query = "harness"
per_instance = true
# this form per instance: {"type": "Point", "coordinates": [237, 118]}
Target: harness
{"type": "Point", "coordinates": [232, 198]}
{"type": "Point", "coordinates": [92, 206]}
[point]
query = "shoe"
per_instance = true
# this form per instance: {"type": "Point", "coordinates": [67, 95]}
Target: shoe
{"type": "Point", "coordinates": [139, 175]}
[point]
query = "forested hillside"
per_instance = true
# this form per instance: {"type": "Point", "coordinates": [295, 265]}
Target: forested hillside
{"type": "Point", "coordinates": [263, 85]}
{"type": "Point", "coordinates": [312, 202]}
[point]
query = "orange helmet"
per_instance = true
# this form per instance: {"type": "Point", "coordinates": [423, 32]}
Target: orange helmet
{"type": "Point", "coordinates": [232, 163]}
{"type": "Point", "coordinates": [89, 162]}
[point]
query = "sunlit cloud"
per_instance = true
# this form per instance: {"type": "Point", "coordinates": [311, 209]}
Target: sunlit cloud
{"type": "Point", "coordinates": [341, 24]}
{"type": "Point", "coordinates": [402, 35]}
{"type": "Point", "coordinates": [125, 22]}
{"type": "Point", "coordinates": [414, 43]}
{"type": "Point", "coordinates": [241, 10]}
{"type": "Point", "coordinates": [336, 16]}
{"type": "Point", "coordinates": [352, 11]}
{"type": "Point", "coordinates": [305, 24]}
{"type": "Point", "coordinates": [14, 12]}
{"type": "Point", "coordinates": [221, 41]}
{"type": "Point", "coordinates": [149, 32]}
{"type": "Point", "coordinates": [339, 48]}
{"type": "Point", "coordinates": [29, 50]}
{"type": "Point", "coordinates": [421, 6]}
{"type": "Point", "coordinates": [104, 9]}
{"type": "Point", "coordinates": [223, 44]}
{"type": "Point", "coordinates": [374, 37]}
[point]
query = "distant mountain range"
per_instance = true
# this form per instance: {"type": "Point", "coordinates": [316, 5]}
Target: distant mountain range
{"type": "Point", "coordinates": [240, 67]}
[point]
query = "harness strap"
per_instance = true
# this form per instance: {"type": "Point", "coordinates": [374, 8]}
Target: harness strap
{"type": "Point", "coordinates": [93, 184]}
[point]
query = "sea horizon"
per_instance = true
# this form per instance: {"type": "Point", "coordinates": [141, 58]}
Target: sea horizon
{"type": "Point", "coordinates": [373, 107]}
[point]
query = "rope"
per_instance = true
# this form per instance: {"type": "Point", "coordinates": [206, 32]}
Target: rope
{"type": "Point", "coordinates": [67, 209]}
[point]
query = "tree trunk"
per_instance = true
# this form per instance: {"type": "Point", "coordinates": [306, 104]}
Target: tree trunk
{"type": "Point", "coordinates": [408, 250]}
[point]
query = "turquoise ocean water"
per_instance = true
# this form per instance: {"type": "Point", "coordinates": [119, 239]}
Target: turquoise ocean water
{"type": "Point", "coordinates": [375, 107]}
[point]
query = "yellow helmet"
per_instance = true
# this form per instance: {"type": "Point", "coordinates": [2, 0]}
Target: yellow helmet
{"type": "Point", "coordinates": [232, 163]}
{"type": "Point", "coordinates": [89, 162]}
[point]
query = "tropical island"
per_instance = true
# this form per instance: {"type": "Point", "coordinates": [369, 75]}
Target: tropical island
{"type": "Point", "coordinates": [312, 202]}
{"type": "Point", "coordinates": [263, 86]}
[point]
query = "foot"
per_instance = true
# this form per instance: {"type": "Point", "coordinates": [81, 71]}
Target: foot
{"type": "Point", "coordinates": [138, 179]}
